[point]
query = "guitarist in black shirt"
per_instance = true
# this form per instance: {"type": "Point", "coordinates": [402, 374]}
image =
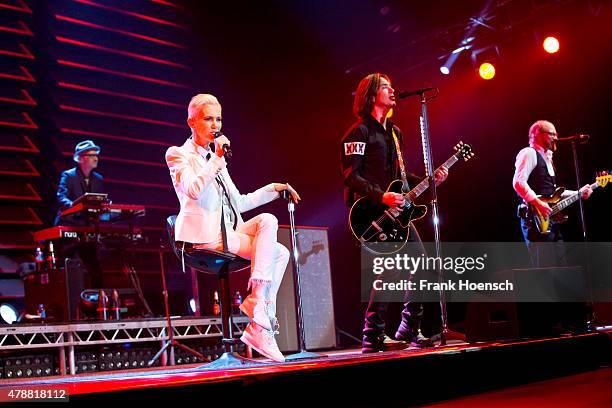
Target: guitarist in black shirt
{"type": "Point", "coordinates": [370, 161]}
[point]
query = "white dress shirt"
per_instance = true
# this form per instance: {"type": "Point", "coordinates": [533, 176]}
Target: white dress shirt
{"type": "Point", "coordinates": [526, 161]}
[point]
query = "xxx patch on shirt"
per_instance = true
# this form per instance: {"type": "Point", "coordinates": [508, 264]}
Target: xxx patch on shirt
{"type": "Point", "coordinates": [354, 148]}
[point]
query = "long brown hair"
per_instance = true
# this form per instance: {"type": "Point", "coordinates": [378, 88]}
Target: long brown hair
{"type": "Point", "coordinates": [366, 90]}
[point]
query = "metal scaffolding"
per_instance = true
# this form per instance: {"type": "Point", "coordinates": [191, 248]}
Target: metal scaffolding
{"type": "Point", "coordinates": [66, 336]}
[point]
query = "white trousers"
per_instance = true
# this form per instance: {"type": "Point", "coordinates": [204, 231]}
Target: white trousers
{"type": "Point", "coordinates": [256, 240]}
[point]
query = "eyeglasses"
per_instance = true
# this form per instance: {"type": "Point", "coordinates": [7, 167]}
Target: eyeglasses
{"type": "Point", "coordinates": [90, 155]}
{"type": "Point", "coordinates": [549, 132]}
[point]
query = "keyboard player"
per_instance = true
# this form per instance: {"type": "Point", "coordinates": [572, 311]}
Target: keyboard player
{"type": "Point", "coordinates": [81, 179]}
{"type": "Point", "coordinates": [75, 182]}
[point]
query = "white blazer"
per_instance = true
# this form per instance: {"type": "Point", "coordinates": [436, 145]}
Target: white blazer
{"type": "Point", "coordinates": [193, 177]}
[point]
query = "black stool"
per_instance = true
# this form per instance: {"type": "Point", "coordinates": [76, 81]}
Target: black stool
{"type": "Point", "coordinates": [221, 264]}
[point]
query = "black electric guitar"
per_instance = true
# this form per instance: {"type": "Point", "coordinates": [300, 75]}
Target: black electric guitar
{"type": "Point", "coordinates": [557, 205]}
{"type": "Point", "coordinates": [380, 223]}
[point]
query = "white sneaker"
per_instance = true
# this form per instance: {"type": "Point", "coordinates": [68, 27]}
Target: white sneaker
{"type": "Point", "coordinates": [263, 341]}
{"type": "Point", "coordinates": [257, 311]}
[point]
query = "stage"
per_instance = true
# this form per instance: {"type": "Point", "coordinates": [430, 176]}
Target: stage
{"type": "Point", "coordinates": [136, 134]}
{"type": "Point", "coordinates": [399, 378]}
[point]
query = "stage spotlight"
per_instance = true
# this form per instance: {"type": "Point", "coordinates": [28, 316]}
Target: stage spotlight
{"type": "Point", "coordinates": [450, 61]}
{"type": "Point", "coordinates": [484, 61]}
{"type": "Point", "coordinates": [551, 45]}
{"type": "Point", "coordinates": [486, 71]}
{"type": "Point", "coordinates": [192, 305]}
{"type": "Point", "coordinates": [9, 313]}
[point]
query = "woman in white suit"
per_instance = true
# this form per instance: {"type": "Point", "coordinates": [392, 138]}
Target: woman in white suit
{"type": "Point", "coordinates": [205, 191]}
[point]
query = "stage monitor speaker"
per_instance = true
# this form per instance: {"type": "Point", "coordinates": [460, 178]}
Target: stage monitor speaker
{"type": "Point", "coordinates": [487, 321]}
{"type": "Point", "coordinates": [316, 288]}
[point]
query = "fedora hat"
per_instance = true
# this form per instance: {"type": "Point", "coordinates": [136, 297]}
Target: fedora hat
{"type": "Point", "coordinates": [84, 146]}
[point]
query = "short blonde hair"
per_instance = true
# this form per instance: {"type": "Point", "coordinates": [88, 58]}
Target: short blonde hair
{"type": "Point", "coordinates": [199, 100]}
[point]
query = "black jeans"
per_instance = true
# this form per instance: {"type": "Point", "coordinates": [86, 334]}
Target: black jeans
{"type": "Point", "coordinates": [548, 251]}
{"type": "Point", "coordinates": [412, 313]}
{"type": "Point", "coordinates": [542, 250]}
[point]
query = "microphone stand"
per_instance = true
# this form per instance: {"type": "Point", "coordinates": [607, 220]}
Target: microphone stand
{"type": "Point", "coordinates": [446, 334]}
{"type": "Point", "coordinates": [299, 321]}
{"type": "Point", "coordinates": [580, 204]}
{"type": "Point", "coordinates": [171, 342]}
{"type": "Point", "coordinates": [591, 313]}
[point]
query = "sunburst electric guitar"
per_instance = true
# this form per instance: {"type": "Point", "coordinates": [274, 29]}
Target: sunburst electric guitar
{"type": "Point", "coordinates": [557, 204]}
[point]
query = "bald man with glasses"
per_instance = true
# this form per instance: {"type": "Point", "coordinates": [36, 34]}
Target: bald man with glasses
{"type": "Point", "coordinates": [535, 176]}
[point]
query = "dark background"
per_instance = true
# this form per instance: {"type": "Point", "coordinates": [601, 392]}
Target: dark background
{"type": "Point", "coordinates": [285, 73]}
{"type": "Point", "coordinates": [285, 76]}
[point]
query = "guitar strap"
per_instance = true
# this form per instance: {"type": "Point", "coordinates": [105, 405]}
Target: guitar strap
{"type": "Point", "coordinates": [400, 159]}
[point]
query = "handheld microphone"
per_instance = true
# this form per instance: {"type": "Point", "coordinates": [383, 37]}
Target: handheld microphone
{"type": "Point", "coordinates": [406, 94]}
{"type": "Point", "coordinates": [227, 150]}
{"type": "Point", "coordinates": [580, 139]}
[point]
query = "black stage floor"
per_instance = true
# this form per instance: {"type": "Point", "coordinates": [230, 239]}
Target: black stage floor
{"type": "Point", "coordinates": [400, 378]}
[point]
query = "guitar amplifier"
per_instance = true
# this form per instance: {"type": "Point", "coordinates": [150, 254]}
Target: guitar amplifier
{"type": "Point", "coordinates": [63, 293]}
{"type": "Point", "coordinates": [58, 290]}
{"type": "Point", "coordinates": [316, 289]}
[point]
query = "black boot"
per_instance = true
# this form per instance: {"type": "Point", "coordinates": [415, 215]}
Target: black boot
{"type": "Point", "coordinates": [409, 329]}
{"type": "Point", "coordinates": [374, 338]}
{"type": "Point", "coordinates": [373, 328]}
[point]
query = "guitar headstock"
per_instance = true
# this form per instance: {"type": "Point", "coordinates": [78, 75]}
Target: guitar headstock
{"type": "Point", "coordinates": [603, 177]}
{"type": "Point", "coordinates": [464, 151]}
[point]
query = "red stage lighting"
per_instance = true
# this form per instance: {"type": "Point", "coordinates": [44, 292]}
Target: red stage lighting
{"type": "Point", "coordinates": [551, 45]}
{"type": "Point", "coordinates": [486, 70]}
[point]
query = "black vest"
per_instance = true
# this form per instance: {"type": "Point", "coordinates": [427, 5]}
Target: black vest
{"type": "Point", "coordinates": [539, 180]}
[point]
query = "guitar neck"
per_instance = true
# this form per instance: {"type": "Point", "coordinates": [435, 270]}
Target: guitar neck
{"type": "Point", "coordinates": [424, 185]}
{"type": "Point", "coordinates": [566, 202]}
